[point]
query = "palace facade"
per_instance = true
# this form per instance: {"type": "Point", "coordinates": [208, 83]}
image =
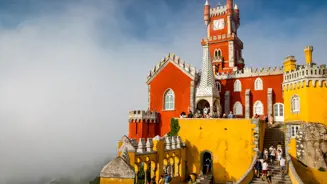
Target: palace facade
{"type": "Point", "coordinates": [159, 142]}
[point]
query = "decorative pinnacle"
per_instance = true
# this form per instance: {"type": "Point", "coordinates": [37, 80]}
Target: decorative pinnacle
{"type": "Point", "coordinates": [207, 3]}
{"type": "Point", "coordinates": [235, 7]}
{"type": "Point", "coordinates": [308, 48]}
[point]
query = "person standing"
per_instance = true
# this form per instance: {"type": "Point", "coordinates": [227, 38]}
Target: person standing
{"type": "Point", "coordinates": [161, 180]}
{"type": "Point", "coordinates": [282, 164]}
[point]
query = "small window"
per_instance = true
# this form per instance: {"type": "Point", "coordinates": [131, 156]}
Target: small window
{"type": "Point", "coordinates": [237, 86]}
{"type": "Point", "coordinates": [218, 85]}
{"type": "Point", "coordinates": [219, 53]}
{"type": "Point", "coordinates": [295, 104]}
{"type": "Point", "coordinates": [169, 100]}
{"type": "Point", "coordinates": [238, 109]}
{"type": "Point", "coordinates": [294, 130]}
{"type": "Point", "coordinates": [258, 108]}
{"type": "Point", "coordinates": [258, 84]}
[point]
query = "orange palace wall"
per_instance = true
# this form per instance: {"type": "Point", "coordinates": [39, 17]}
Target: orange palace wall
{"type": "Point", "coordinates": [269, 81]}
{"type": "Point", "coordinates": [143, 129]}
{"type": "Point", "coordinates": [173, 78]}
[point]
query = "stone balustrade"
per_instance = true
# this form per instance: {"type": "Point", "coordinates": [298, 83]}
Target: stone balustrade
{"type": "Point", "coordinates": [305, 72]}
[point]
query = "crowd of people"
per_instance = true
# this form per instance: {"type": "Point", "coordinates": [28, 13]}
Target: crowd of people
{"type": "Point", "coordinates": [267, 158]}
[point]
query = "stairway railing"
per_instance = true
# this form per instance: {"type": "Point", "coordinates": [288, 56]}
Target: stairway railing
{"type": "Point", "coordinates": [292, 172]}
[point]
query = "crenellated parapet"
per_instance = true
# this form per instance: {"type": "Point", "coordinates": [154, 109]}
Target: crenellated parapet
{"type": "Point", "coordinates": [145, 116]}
{"type": "Point", "coordinates": [218, 10]}
{"type": "Point", "coordinates": [305, 76]}
{"type": "Point", "coordinates": [250, 72]}
{"type": "Point", "coordinates": [186, 68]}
{"type": "Point", "coordinates": [222, 37]}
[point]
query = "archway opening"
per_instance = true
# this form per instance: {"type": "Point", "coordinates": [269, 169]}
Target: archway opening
{"type": "Point", "coordinates": [206, 163]}
{"type": "Point", "coordinates": [201, 105]}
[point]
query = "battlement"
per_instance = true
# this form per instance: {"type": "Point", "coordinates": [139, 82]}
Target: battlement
{"type": "Point", "coordinates": [308, 48]}
{"type": "Point", "coordinates": [145, 146]}
{"type": "Point", "coordinates": [218, 10]}
{"type": "Point", "coordinates": [139, 115]}
{"type": "Point", "coordinates": [249, 72]}
{"type": "Point", "coordinates": [186, 68]}
{"type": "Point", "coordinates": [222, 37]}
{"type": "Point", "coordinates": [305, 72]}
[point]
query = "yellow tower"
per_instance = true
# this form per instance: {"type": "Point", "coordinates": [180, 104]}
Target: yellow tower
{"type": "Point", "coordinates": [305, 92]}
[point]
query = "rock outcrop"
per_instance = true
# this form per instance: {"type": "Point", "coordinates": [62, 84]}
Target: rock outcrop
{"type": "Point", "coordinates": [311, 145]}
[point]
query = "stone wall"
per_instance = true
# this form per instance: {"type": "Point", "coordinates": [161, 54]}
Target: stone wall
{"type": "Point", "coordinates": [311, 145]}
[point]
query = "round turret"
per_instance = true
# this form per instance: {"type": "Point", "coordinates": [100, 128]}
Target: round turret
{"type": "Point", "coordinates": [206, 13]}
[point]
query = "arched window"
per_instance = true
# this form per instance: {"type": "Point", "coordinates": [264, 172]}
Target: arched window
{"type": "Point", "coordinates": [169, 103]}
{"type": "Point", "coordinates": [218, 85]}
{"type": "Point", "coordinates": [219, 53]}
{"type": "Point", "coordinates": [237, 86]}
{"type": "Point", "coordinates": [258, 85]}
{"type": "Point", "coordinates": [258, 108]}
{"type": "Point", "coordinates": [216, 53]}
{"type": "Point", "coordinates": [295, 104]}
{"type": "Point", "coordinates": [238, 109]}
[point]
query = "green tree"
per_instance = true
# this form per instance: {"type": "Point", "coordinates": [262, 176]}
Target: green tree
{"type": "Point", "coordinates": [174, 127]}
{"type": "Point", "coordinates": [96, 180]}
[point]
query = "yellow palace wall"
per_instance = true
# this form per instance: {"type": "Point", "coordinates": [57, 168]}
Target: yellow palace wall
{"type": "Point", "coordinates": [313, 100]}
{"type": "Point", "coordinates": [230, 141]}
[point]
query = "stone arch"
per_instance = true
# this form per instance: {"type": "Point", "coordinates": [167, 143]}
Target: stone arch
{"type": "Point", "coordinates": [203, 157]}
{"type": "Point", "coordinates": [201, 104]}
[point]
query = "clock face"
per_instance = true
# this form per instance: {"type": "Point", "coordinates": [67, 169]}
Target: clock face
{"type": "Point", "coordinates": [218, 24]}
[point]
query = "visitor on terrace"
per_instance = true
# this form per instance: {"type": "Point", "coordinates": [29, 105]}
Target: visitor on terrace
{"type": "Point", "coordinates": [224, 116]}
{"type": "Point", "coordinates": [190, 115]}
{"type": "Point", "coordinates": [214, 115]}
{"type": "Point", "coordinates": [183, 115]}
{"type": "Point", "coordinates": [255, 116]}
{"type": "Point", "coordinates": [230, 115]}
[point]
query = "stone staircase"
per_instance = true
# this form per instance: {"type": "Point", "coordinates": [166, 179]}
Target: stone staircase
{"type": "Point", "coordinates": [276, 176]}
{"type": "Point", "coordinates": [274, 136]}
{"type": "Point", "coordinates": [204, 179]}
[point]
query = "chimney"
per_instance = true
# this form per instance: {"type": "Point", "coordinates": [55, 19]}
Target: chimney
{"type": "Point", "coordinates": [308, 54]}
{"type": "Point", "coordinates": [289, 63]}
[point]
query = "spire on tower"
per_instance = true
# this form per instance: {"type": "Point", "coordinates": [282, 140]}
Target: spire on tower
{"type": "Point", "coordinates": [207, 85]}
{"type": "Point", "coordinates": [235, 7]}
{"type": "Point", "coordinates": [207, 3]}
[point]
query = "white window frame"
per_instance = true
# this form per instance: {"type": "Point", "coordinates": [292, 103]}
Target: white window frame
{"type": "Point", "coordinates": [294, 130]}
{"type": "Point", "coordinates": [169, 105]}
{"type": "Point", "coordinates": [258, 84]}
{"type": "Point", "coordinates": [218, 85]}
{"type": "Point", "coordinates": [255, 106]}
{"type": "Point", "coordinates": [237, 86]}
{"type": "Point", "coordinates": [238, 108]}
{"type": "Point", "coordinates": [277, 115]}
{"type": "Point", "coordinates": [295, 104]}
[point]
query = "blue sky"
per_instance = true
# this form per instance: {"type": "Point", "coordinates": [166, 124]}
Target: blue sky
{"type": "Point", "coordinates": [73, 69]}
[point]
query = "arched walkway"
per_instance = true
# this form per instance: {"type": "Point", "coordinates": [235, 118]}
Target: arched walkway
{"type": "Point", "coordinates": [201, 105]}
{"type": "Point", "coordinates": [206, 162]}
